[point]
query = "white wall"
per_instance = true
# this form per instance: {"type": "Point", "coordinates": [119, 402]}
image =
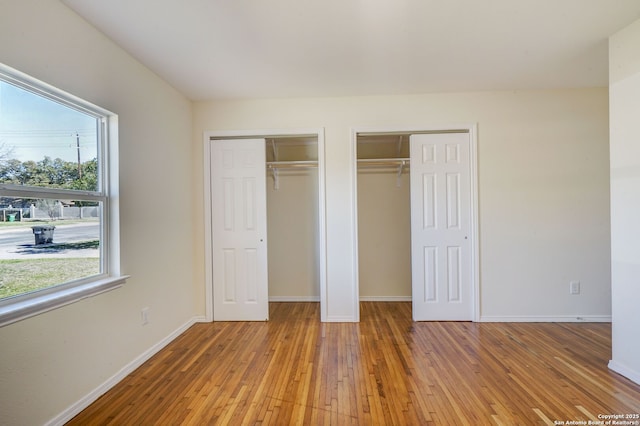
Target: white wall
{"type": "Point", "coordinates": [543, 189]}
{"type": "Point", "coordinates": [51, 361]}
{"type": "Point", "coordinates": [384, 235]}
{"type": "Point", "coordinates": [624, 98]}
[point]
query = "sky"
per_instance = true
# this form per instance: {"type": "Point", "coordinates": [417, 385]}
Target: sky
{"type": "Point", "coordinates": [33, 127]}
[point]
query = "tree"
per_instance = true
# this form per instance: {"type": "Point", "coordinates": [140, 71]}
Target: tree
{"type": "Point", "coordinates": [6, 152]}
{"type": "Point", "coordinates": [52, 207]}
{"type": "Point", "coordinates": [48, 173]}
{"type": "Point", "coordinates": [89, 179]}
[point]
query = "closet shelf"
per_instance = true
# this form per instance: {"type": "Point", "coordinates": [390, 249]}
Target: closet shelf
{"type": "Point", "coordinates": [401, 163]}
{"type": "Point", "coordinates": [275, 166]}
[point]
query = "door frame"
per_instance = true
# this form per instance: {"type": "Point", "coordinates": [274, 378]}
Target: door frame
{"type": "Point", "coordinates": [471, 129]}
{"type": "Point", "coordinates": [208, 231]}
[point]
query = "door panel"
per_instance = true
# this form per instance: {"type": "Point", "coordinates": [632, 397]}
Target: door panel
{"type": "Point", "coordinates": [441, 226]}
{"type": "Point", "coordinates": [238, 185]}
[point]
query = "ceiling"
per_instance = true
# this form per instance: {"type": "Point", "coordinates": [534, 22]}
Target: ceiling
{"type": "Point", "coordinates": [213, 49]}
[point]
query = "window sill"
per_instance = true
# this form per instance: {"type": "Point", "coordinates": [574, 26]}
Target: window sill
{"type": "Point", "coordinates": [28, 308]}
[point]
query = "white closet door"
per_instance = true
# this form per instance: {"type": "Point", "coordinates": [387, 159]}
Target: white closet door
{"type": "Point", "coordinates": [239, 214]}
{"type": "Point", "coordinates": [440, 227]}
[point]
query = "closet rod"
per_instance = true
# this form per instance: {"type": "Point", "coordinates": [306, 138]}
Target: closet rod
{"type": "Point", "coordinates": [384, 162]}
{"type": "Point", "coordinates": [291, 164]}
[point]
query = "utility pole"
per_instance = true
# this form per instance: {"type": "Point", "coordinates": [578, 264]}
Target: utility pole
{"type": "Point", "coordinates": [78, 149]}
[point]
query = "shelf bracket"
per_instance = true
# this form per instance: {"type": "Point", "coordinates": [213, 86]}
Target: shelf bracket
{"type": "Point", "coordinates": [399, 176]}
{"type": "Point", "coordinates": [276, 178]}
{"type": "Point", "coordinates": [274, 149]}
{"type": "Point", "coordinates": [274, 170]}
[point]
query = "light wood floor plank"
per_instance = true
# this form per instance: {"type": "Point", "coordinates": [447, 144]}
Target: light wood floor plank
{"type": "Point", "coordinates": [384, 370]}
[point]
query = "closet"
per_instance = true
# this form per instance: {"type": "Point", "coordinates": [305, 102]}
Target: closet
{"type": "Point", "coordinates": [264, 222]}
{"type": "Point", "coordinates": [292, 218]}
{"type": "Point", "coordinates": [384, 217]}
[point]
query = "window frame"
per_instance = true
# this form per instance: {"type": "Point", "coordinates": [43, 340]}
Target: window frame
{"type": "Point", "coordinates": [30, 304]}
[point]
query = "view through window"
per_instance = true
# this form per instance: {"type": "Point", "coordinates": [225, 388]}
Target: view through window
{"type": "Point", "coordinates": [51, 192]}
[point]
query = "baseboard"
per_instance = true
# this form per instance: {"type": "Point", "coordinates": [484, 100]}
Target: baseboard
{"type": "Point", "coordinates": [340, 319]}
{"type": "Point", "coordinates": [294, 299]}
{"type": "Point", "coordinates": [83, 403]}
{"type": "Point", "coordinates": [545, 318]}
{"type": "Point", "coordinates": [385, 298]}
{"type": "Point", "coordinates": [201, 318]}
{"type": "Point", "coordinates": [630, 374]}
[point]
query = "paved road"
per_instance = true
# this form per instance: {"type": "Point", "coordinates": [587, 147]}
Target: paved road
{"type": "Point", "coordinates": [18, 243]}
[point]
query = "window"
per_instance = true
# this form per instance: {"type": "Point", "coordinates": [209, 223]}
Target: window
{"type": "Point", "coordinates": [58, 187]}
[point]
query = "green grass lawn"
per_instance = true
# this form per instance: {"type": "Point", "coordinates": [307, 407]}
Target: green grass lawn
{"type": "Point", "coordinates": [27, 275]}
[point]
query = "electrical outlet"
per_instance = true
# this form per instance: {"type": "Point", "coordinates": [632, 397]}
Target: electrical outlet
{"type": "Point", "coordinates": [144, 314]}
{"type": "Point", "coordinates": [574, 287]}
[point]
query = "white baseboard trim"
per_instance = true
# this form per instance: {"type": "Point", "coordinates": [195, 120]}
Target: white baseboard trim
{"type": "Point", "coordinates": [545, 318]}
{"type": "Point", "coordinates": [630, 374]}
{"type": "Point", "coordinates": [385, 298]}
{"type": "Point", "coordinates": [83, 403]}
{"type": "Point", "coordinates": [340, 319]}
{"type": "Point", "coordinates": [200, 318]}
{"type": "Point", "coordinates": [294, 299]}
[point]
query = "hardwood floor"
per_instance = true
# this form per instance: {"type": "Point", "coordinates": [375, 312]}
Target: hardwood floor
{"type": "Point", "coordinates": [384, 370]}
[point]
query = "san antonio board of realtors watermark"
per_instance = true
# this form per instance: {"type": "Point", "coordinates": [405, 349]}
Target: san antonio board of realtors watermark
{"type": "Point", "coordinates": [605, 420]}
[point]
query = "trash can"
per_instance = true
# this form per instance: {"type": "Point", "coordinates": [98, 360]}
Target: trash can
{"type": "Point", "coordinates": [43, 234]}
{"type": "Point", "coordinates": [11, 217]}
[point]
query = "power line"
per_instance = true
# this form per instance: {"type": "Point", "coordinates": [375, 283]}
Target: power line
{"type": "Point", "coordinates": [45, 134]}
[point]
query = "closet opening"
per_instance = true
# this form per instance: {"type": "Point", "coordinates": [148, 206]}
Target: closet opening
{"type": "Point", "coordinates": [384, 217]}
{"type": "Point", "coordinates": [293, 219]}
{"type": "Point", "coordinates": [416, 220]}
{"type": "Point", "coordinates": [264, 222]}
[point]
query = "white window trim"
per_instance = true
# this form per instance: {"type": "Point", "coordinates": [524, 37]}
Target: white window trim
{"type": "Point", "coordinates": [31, 304]}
